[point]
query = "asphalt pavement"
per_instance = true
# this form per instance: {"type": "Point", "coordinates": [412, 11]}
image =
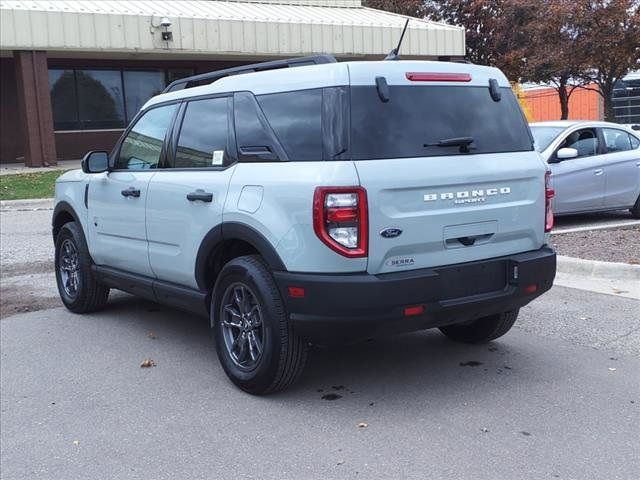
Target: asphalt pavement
{"type": "Point", "coordinates": [557, 397]}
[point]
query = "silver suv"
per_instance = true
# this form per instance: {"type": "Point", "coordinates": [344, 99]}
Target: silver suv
{"type": "Point", "coordinates": [327, 202]}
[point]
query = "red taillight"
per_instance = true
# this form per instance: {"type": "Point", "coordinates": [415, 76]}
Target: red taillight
{"type": "Point", "coordinates": [340, 219]}
{"type": "Point", "coordinates": [296, 292]}
{"type": "Point", "coordinates": [548, 209]}
{"type": "Point", "coordinates": [533, 288]}
{"type": "Point", "coordinates": [412, 311]}
{"type": "Point", "coordinates": [437, 77]}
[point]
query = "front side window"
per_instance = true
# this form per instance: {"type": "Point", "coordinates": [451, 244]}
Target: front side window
{"type": "Point", "coordinates": [616, 140]}
{"type": "Point", "coordinates": [585, 141]}
{"type": "Point", "coordinates": [142, 147]}
{"type": "Point", "coordinates": [416, 119]}
{"type": "Point", "coordinates": [204, 135]}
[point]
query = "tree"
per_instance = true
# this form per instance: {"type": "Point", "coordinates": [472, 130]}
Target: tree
{"type": "Point", "coordinates": [609, 33]}
{"type": "Point", "coordinates": [554, 54]}
{"type": "Point", "coordinates": [413, 8]}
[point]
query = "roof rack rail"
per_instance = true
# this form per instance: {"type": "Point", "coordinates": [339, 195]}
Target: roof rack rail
{"type": "Point", "coordinates": [254, 67]}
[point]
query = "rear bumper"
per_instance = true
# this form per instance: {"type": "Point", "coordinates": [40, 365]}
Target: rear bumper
{"type": "Point", "coordinates": [338, 307]}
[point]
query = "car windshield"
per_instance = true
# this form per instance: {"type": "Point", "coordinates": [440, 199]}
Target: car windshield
{"type": "Point", "coordinates": [421, 121]}
{"type": "Point", "coordinates": [543, 136]}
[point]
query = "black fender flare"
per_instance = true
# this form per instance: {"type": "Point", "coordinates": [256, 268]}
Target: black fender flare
{"type": "Point", "coordinates": [66, 208]}
{"type": "Point", "coordinates": [234, 231]}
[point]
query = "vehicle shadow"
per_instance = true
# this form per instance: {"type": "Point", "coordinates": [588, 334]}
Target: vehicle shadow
{"type": "Point", "coordinates": [423, 363]}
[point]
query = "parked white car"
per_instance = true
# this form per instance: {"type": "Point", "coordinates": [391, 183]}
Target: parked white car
{"type": "Point", "coordinates": [595, 165]}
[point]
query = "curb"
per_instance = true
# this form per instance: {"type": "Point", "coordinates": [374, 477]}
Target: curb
{"type": "Point", "coordinates": [598, 269]}
{"type": "Point", "coordinates": [26, 205]}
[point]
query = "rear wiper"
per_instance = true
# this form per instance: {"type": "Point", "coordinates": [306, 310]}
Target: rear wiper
{"type": "Point", "coordinates": [462, 142]}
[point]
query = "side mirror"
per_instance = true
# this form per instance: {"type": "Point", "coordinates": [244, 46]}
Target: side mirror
{"type": "Point", "coordinates": [95, 162]}
{"type": "Point", "coordinates": [565, 153]}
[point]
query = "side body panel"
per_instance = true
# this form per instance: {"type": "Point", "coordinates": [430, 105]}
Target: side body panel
{"type": "Point", "coordinates": [276, 199]}
{"type": "Point", "coordinates": [117, 232]}
{"type": "Point", "coordinates": [176, 226]}
{"type": "Point", "coordinates": [579, 184]}
{"type": "Point", "coordinates": [70, 188]}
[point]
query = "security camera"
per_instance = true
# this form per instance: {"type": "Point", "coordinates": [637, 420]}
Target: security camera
{"type": "Point", "coordinates": [165, 22]}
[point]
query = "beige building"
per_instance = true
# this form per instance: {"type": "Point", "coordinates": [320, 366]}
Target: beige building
{"type": "Point", "coordinates": [74, 73]}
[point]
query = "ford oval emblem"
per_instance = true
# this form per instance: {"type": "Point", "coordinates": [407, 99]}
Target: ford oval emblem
{"type": "Point", "coordinates": [390, 232]}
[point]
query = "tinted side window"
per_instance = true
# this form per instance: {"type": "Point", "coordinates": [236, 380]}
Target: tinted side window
{"type": "Point", "coordinates": [616, 140]}
{"type": "Point", "coordinates": [296, 119]}
{"type": "Point", "coordinates": [585, 141]}
{"type": "Point", "coordinates": [256, 141]}
{"type": "Point", "coordinates": [142, 146]}
{"type": "Point", "coordinates": [203, 140]}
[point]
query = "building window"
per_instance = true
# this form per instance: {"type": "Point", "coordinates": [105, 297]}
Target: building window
{"type": "Point", "coordinates": [98, 99]}
{"type": "Point", "coordinates": [626, 100]}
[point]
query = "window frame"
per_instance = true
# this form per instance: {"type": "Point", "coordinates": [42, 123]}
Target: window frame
{"type": "Point", "coordinates": [172, 141]}
{"type": "Point", "coordinates": [115, 153]}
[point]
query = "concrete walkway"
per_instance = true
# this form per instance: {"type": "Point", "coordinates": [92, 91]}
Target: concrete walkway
{"type": "Point", "coordinates": [16, 168]}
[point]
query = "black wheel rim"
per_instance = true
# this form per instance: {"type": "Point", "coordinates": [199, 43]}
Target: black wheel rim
{"type": "Point", "coordinates": [69, 267]}
{"type": "Point", "coordinates": [242, 326]}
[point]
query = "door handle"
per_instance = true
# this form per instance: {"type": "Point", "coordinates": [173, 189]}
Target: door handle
{"type": "Point", "coordinates": [130, 192]}
{"type": "Point", "coordinates": [598, 171]}
{"type": "Point", "coordinates": [201, 195]}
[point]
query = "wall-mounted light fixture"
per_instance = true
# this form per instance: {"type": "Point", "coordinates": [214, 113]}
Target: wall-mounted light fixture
{"type": "Point", "coordinates": [163, 23]}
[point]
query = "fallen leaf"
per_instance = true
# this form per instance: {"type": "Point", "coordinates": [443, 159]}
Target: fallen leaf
{"type": "Point", "coordinates": [618, 291]}
{"type": "Point", "coordinates": [341, 462]}
{"type": "Point", "coordinates": [147, 363]}
{"type": "Point", "coordinates": [363, 425]}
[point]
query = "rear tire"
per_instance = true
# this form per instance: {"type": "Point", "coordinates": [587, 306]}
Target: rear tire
{"type": "Point", "coordinates": [256, 345]}
{"type": "Point", "coordinates": [483, 329]}
{"type": "Point", "coordinates": [79, 290]}
{"type": "Point", "coordinates": [635, 210]}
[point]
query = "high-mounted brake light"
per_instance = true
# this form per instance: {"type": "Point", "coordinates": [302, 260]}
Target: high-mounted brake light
{"type": "Point", "coordinates": [437, 77]}
{"type": "Point", "coordinates": [340, 219]}
{"type": "Point", "coordinates": [548, 209]}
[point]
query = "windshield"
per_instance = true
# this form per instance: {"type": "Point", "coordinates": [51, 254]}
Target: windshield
{"type": "Point", "coordinates": [543, 136]}
{"type": "Point", "coordinates": [433, 121]}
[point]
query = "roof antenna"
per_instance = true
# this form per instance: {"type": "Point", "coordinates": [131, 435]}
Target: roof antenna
{"type": "Point", "coordinates": [393, 54]}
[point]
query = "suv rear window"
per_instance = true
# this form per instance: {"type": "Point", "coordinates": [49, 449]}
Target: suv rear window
{"type": "Point", "coordinates": [415, 116]}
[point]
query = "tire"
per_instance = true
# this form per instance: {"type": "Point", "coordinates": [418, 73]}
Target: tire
{"type": "Point", "coordinates": [79, 290]}
{"type": "Point", "coordinates": [247, 281]}
{"type": "Point", "coordinates": [483, 329]}
{"type": "Point", "coordinates": [635, 210]}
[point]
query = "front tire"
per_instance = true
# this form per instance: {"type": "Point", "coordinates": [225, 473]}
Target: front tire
{"type": "Point", "coordinates": [256, 345]}
{"type": "Point", "coordinates": [483, 329]}
{"type": "Point", "coordinates": [79, 290]}
{"type": "Point", "coordinates": [635, 210]}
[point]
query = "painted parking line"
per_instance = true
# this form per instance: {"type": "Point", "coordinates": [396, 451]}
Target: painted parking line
{"type": "Point", "coordinates": [596, 226]}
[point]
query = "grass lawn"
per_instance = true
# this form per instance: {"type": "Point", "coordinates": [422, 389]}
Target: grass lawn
{"type": "Point", "coordinates": [28, 185]}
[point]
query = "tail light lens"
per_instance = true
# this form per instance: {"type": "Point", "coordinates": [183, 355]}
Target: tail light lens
{"type": "Point", "coordinates": [340, 219]}
{"type": "Point", "coordinates": [548, 195]}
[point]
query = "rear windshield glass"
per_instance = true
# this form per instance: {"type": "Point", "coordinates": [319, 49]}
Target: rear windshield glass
{"type": "Point", "coordinates": [416, 118]}
{"type": "Point", "coordinates": [543, 136]}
